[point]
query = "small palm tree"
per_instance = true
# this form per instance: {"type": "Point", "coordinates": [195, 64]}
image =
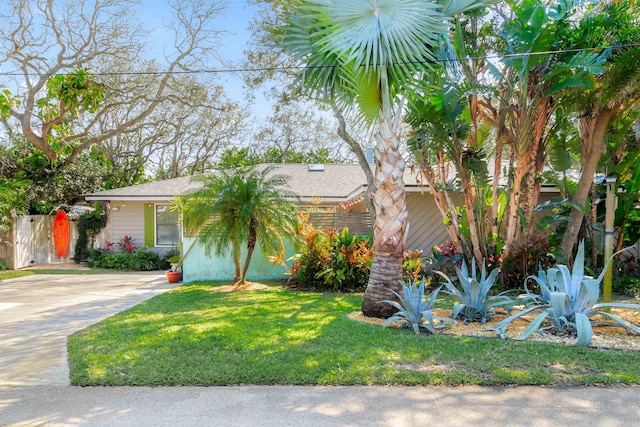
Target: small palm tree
{"type": "Point", "coordinates": [370, 51]}
{"type": "Point", "coordinates": [238, 207]}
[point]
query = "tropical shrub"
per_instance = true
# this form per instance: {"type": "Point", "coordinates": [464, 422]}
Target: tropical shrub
{"type": "Point", "coordinates": [627, 276]}
{"type": "Point", "coordinates": [474, 302]}
{"type": "Point", "coordinates": [413, 266]}
{"type": "Point", "coordinates": [126, 244]}
{"type": "Point", "coordinates": [524, 259]}
{"type": "Point", "coordinates": [415, 309]}
{"type": "Point", "coordinates": [332, 260]}
{"type": "Point", "coordinates": [568, 300]}
{"type": "Point", "coordinates": [141, 260]}
{"type": "Point", "coordinates": [443, 258]}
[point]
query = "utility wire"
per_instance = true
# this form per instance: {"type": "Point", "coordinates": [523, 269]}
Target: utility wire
{"type": "Point", "coordinates": [305, 67]}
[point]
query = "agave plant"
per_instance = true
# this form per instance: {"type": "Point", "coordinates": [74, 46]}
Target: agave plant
{"type": "Point", "coordinates": [567, 299]}
{"type": "Point", "coordinates": [474, 302]}
{"type": "Point", "coordinates": [415, 310]}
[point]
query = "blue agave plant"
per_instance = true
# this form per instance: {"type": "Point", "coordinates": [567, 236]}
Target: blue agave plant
{"type": "Point", "coordinates": [567, 299]}
{"type": "Point", "coordinates": [415, 310]}
{"type": "Point", "coordinates": [474, 302]}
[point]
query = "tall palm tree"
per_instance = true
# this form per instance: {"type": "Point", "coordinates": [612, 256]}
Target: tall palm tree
{"type": "Point", "coordinates": [237, 207]}
{"type": "Point", "coordinates": [369, 51]}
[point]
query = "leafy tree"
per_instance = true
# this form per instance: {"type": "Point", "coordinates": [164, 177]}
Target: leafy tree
{"type": "Point", "coordinates": [614, 93]}
{"type": "Point", "coordinates": [241, 207]}
{"type": "Point", "coordinates": [369, 52]}
{"type": "Point", "coordinates": [13, 194]}
{"type": "Point", "coordinates": [73, 62]}
{"type": "Point", "coordinates": [39, 187]}
{"type": "Point", "coordinates": [237, 157]}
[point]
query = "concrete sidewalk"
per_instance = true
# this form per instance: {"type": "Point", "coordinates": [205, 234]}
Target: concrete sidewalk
{"type": "Point", "coordinates": [38, 312]}
{"type": "Point", "coordinates": [320, 406]}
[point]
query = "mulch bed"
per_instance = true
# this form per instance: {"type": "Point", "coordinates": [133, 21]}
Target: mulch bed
{"type": "Point", "coordinates": [604, 336]}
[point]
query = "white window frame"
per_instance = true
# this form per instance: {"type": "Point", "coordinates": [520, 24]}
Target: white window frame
{"type": "Point", "coordinates": [155, 228]}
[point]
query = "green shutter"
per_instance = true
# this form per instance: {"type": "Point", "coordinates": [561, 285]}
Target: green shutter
{"type": "Point", "coordinates": [149, 225]}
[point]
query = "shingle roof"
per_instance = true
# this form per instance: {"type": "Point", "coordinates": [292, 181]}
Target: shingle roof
{"type": "Point", "coordinates": [335, 182]}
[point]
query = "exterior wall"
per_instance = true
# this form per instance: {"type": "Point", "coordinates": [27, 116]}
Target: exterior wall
{"type": "Point", "coordinates": [426, 228]}
{"type": "Point", "coordinates": [128, 220]}
{"type": "Point", "coordinates": [198, 266]}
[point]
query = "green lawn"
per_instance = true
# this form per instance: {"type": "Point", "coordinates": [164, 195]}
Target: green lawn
{"type": "Point", "coordinates": [12, 274]}
{"type": "Point", "coordinates": [193, 336]}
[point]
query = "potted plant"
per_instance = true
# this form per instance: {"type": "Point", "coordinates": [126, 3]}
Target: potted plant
{"type": "Point", "coordinates": [174, 275]}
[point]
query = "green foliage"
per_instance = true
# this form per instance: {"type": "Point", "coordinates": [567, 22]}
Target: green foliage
{"type": "Point", "coordinates": [332, 260]}
{"type": "Point", "coordinates": [414, 266]}
{"type": "Point", "coordinates": [239, 157]}
{"type": "Point", "coordinates": [626, 279]}
{"type": "Point", "coordinates": [568, 299]}
{"type": "Point", "coordinates": [140, 260]}
{"type": "Point", "coordinates": [67, 96]}
{"type": "Point", "coordinates": [89, 225]}
{"type": "Point", "coordinates": [365, 54]}
{"type": "Point", "coordinates": [415, 309]}
{"type": "Point", "coordinates": [35, 186]}
{"type": "Point", "coordinates": [7, 101]}
{"type": "Point", "coordinates": [13, 196]}
{"type": "Point", "coordinates": [474, 302]}
{"type": "Point", "coordinates": [525, 258]}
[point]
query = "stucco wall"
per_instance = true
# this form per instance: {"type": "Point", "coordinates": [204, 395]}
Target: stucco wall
{"type": "Point", "coordinates": [198, 266]}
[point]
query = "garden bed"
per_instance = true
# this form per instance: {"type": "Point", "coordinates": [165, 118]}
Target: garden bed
{"type": "Point", "coordinates": [604, 336]}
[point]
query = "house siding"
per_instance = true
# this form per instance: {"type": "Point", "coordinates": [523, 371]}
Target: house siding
{"type": "Point", "coordinates": [426, 229]}
{"type": "Point", "coordinates": [128, 220]}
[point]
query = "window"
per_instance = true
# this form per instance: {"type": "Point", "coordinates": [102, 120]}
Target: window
{"type": "Point", "coordinates": [167, 228]}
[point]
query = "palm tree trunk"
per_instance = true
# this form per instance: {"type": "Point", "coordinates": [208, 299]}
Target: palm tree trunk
{"type": "Point", "coordinates": [251, 246]}
{"type": "Point", "coordinates": [391, 221]}
{"type": "Point", "coordinates": [236, 259]}
{"type": "Point", "coordinates": [513, 220]}
{"type": "Point", "coordinates": [537, 154]}
{"type": "Point", "coordinates": [386, 273]}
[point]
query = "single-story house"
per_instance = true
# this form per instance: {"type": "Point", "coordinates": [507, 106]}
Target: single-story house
{"type": "Point", "coordinates": [333, 193]}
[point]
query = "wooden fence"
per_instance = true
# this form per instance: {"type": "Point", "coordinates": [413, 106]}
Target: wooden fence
{"type": "Point", "coordinates": [356, 222]}
{"type": "Point", "coordinates": [30, 242]}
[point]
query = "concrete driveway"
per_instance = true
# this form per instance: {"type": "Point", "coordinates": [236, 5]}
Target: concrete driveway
{"type": "Point", "coordinates": [38, 312]}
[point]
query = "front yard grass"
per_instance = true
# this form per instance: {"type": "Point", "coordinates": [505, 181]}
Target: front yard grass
{"type": "Point", "coordinates": [14, 274]}
{"type": "Point", "coordinates": [193, 336]}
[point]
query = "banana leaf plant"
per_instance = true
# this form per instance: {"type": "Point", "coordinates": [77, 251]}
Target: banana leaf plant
{"type": "Point", "coordinates": [415, 309]}
{"type": "Point", "coordinates": [568, 299]}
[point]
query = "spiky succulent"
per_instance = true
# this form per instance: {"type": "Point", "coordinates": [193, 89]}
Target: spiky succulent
{"type": "Point", "coordinates": [567, 299]}
{"type": "Point", "coordinates": [415, 309]}
{"type": "Point", "coordinates": [474, 302]}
